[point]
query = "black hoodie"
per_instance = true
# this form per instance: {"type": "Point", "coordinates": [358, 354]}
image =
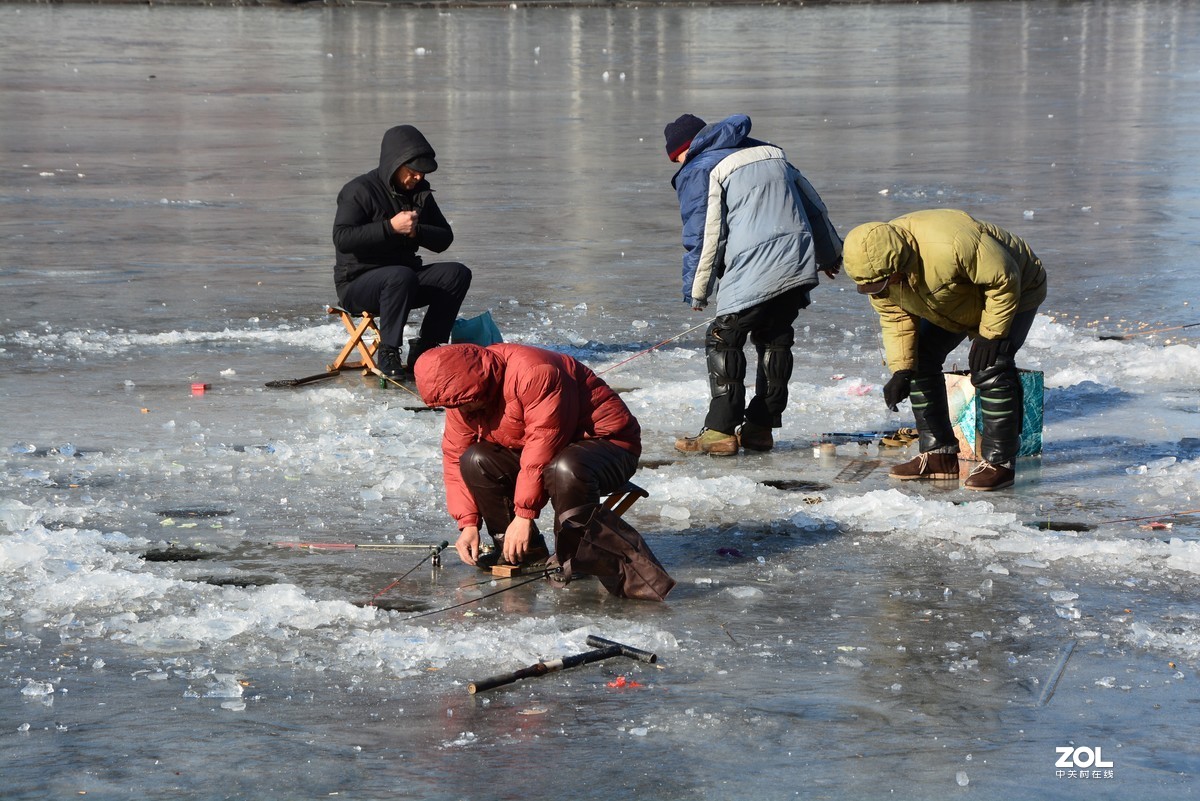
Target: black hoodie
{"type": "Point", "coordinates": [362, 231]}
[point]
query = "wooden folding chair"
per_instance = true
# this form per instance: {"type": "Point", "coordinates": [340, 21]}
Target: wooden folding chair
{"type": "Point", "coordinates": [366, 348]}
{"type": "Point", "coordinates": [625, 497]}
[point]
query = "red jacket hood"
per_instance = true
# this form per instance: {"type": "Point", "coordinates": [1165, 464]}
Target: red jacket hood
{"type": "Point", "coordinates": [454, 375]}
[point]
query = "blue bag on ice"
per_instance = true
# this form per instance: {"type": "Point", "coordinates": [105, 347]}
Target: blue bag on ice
{"type": "Point", "coordinates": [478, 330]}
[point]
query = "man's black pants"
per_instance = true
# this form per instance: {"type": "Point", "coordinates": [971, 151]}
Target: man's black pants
{"type": "Point", "coordinates": [391, 293]}
{"type": "Point", "coordinates": [581, 473]}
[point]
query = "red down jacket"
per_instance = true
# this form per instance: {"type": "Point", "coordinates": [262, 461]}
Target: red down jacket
{"type": "Point", "coordinates": [537, 402]}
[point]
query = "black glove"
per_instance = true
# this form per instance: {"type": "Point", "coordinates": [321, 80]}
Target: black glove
{"type": "Point", "coordinates": [984, 352]}
{"type": "Point", "coordinates": [897, 388]}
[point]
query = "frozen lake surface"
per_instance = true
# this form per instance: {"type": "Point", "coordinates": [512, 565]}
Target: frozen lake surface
{"type": "Point", "coordinates": [168, 189]}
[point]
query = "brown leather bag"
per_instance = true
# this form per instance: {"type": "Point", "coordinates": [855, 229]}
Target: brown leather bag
{"type": "Point", "coordinates": [593, 539]}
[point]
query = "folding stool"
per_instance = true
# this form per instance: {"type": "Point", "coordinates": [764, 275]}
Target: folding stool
{"type": "Point", "coordinates": [366, 348]}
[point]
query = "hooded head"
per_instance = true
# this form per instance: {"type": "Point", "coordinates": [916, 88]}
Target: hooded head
{"type": "Point", "coordinates": [873, 252]}
{"type": "Point", "coordinates": [456, 375]}
{"type": "Point", "coordinates": [402, 145]}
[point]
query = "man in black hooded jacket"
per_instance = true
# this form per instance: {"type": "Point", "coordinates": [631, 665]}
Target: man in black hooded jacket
{"type": "Point", "coordinates": [382, 218]}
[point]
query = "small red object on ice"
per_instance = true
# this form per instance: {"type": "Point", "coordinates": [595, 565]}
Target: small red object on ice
{"type": "Point", "coordinates": [199, 387]}
{"type": "Point", "coordinates": [620, 682]}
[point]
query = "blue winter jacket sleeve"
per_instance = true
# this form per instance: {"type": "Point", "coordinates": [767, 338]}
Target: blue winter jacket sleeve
{"type": "Point", "coordinates": [827, 245]}
{"type": "Point", "coordinates": [691, 184]}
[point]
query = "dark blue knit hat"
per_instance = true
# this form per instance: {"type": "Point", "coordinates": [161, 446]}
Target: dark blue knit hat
{"type": "Point", "coordinates": [680, 133]}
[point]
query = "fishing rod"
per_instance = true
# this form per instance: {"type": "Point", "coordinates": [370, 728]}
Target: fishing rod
{"type": "Point", "coordinates": [299, 382]}
{"type": "Point", "coordinates": [370, 546]}
{"type": "Point", "coordinates": [1148, 333]}
{"type": "Point", "coordinates": [1152, 517]}
{"type": "Point", "coordinates": [536, 577]}
{"type": "Point", "coordinates": [654, 347]}
{"type": "Point", "coordinates": [433, 552]}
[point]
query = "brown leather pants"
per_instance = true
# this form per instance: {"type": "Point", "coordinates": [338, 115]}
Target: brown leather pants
{"type": "Point", "coordinates": [581, 473]}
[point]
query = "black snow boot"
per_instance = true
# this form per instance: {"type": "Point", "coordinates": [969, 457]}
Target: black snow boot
{"type": "Point", "coordinates": [387, 359]}
{"type": "Point", "coordinates": [416, 347]}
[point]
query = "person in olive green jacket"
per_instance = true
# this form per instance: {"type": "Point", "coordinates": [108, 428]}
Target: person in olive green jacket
{"type": "Point", "coordinates": [936, 277]}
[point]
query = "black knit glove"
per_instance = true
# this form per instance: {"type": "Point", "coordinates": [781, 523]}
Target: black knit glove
{"type": "Point", "coordinates": [984, 352]}
{"type": "Point", "coordinates": [897, 388]}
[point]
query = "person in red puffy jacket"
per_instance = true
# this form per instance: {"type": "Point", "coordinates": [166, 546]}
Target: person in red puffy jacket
{"type": "Point", "coordinates": [523, 426]}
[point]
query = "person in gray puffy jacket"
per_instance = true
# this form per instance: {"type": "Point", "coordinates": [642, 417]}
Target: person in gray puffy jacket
{"type": "Point", "coordinates": [754, 227]}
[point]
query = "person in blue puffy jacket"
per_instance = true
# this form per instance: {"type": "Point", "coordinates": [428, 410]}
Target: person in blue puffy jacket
{"type": "Point", "coordinates": [754, 228]}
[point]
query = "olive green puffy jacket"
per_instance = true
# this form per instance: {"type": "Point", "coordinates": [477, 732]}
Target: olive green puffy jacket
{"type": "Point", "coordinates": [961, 274]}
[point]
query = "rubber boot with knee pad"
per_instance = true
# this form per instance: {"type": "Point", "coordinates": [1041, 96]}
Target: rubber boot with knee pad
{"type": "Point", "coordinates": [775, 365]}
{"type": "Point", "coordinates": [755, 437]}
{"type": "Point", "coordinates": [727, 388]}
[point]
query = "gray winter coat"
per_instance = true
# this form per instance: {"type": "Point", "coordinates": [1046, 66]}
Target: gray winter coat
{"type": "Point", "coordinates": [751, 221]}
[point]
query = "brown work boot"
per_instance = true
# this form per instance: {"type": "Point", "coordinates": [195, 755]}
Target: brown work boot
{"type": "Point", "coordinates": [987, 477]}
{"type": "Point", "coordinates": [930, 466]}
{"type": "Point", "coordinates": [714, 443]}
{"type": "Point", "coordinates": [754, 437]}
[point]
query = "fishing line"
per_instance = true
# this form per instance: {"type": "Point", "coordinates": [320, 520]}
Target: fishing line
{"type": "Point", "coordinates": [598, 372]}
{"type": "Point", "coordinates": [491, 580]}
{"type": "Point", "coordinates": [434, 551]}
{"type": "Point", "coordinates": [537, 577]}
{"type": "Point", "coordinates": [369, 546]}
{"type": "Point", "coordinates": [655, 347]}
{"type": "Point", "coordinates": [396, 383]}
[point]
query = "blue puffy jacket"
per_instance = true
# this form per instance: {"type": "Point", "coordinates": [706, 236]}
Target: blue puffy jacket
{"type": "Point", "coordinates": [751, 221]}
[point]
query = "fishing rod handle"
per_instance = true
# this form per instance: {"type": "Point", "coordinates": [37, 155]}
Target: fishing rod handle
{"type": "Point", "coordinates": [491, 682]}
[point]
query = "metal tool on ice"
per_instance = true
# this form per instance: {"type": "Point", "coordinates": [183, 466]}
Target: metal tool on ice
{"type": "Point", "coordinates": [603, 649]}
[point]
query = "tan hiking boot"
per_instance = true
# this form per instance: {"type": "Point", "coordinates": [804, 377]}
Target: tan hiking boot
{"type": "Point", "coordinates": [754, 437]}
{"type": "Point", "coordinates": [987, 477]}
{"type": "Point", "coordinates": [714, 443]}
{"type": "Point", "coordinates": [928, 466]}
